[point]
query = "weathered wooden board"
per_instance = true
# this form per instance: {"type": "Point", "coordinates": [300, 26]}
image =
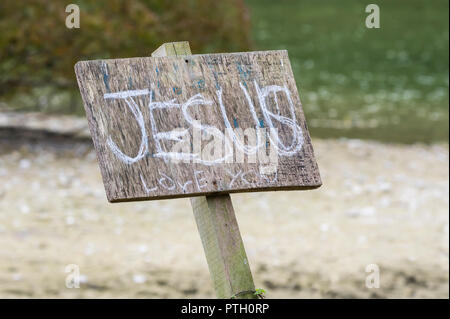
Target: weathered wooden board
{"type": "Point", "coordinates": [166, 127]}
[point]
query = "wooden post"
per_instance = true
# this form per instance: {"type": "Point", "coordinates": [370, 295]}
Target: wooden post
{"type": "Point", "coordinates": [218, 227]}
{"type": "Point", "coordinates": [224, 249]}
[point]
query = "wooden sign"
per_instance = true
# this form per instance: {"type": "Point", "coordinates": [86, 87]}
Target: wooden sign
{"type": "Point", "coordinates": [167, 127]}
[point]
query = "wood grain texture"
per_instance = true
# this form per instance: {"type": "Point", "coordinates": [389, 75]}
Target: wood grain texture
{"type": "Point", "coordinates": [225, 253]}
{"type": "Point", "coordinates": [173, 49]}
{"type": "Point", "coordinates": [166, 95]}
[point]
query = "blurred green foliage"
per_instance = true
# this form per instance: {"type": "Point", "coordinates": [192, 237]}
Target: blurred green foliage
{"type": "Point", "coordinates": [38, 52]}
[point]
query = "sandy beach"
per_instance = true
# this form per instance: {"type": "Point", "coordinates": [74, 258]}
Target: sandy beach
{"type": "Point", "coordinates": [379, 204]}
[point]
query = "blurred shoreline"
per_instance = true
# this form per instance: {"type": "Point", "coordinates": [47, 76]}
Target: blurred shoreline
{"type": "Point", "coordinates": [37, 125]}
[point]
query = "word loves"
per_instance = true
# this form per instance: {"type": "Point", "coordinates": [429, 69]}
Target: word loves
{"type": "Point", "coordinates": [199, 182]}
{"type": "Point", "coordinates": [185, 126]}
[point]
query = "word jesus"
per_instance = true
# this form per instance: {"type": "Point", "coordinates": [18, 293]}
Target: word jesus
{"type": "Point", "coordinates": [220, 150]}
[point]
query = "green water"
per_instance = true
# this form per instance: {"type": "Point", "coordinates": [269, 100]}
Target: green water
{"type": "Point", "coordinates": [388, 84]}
